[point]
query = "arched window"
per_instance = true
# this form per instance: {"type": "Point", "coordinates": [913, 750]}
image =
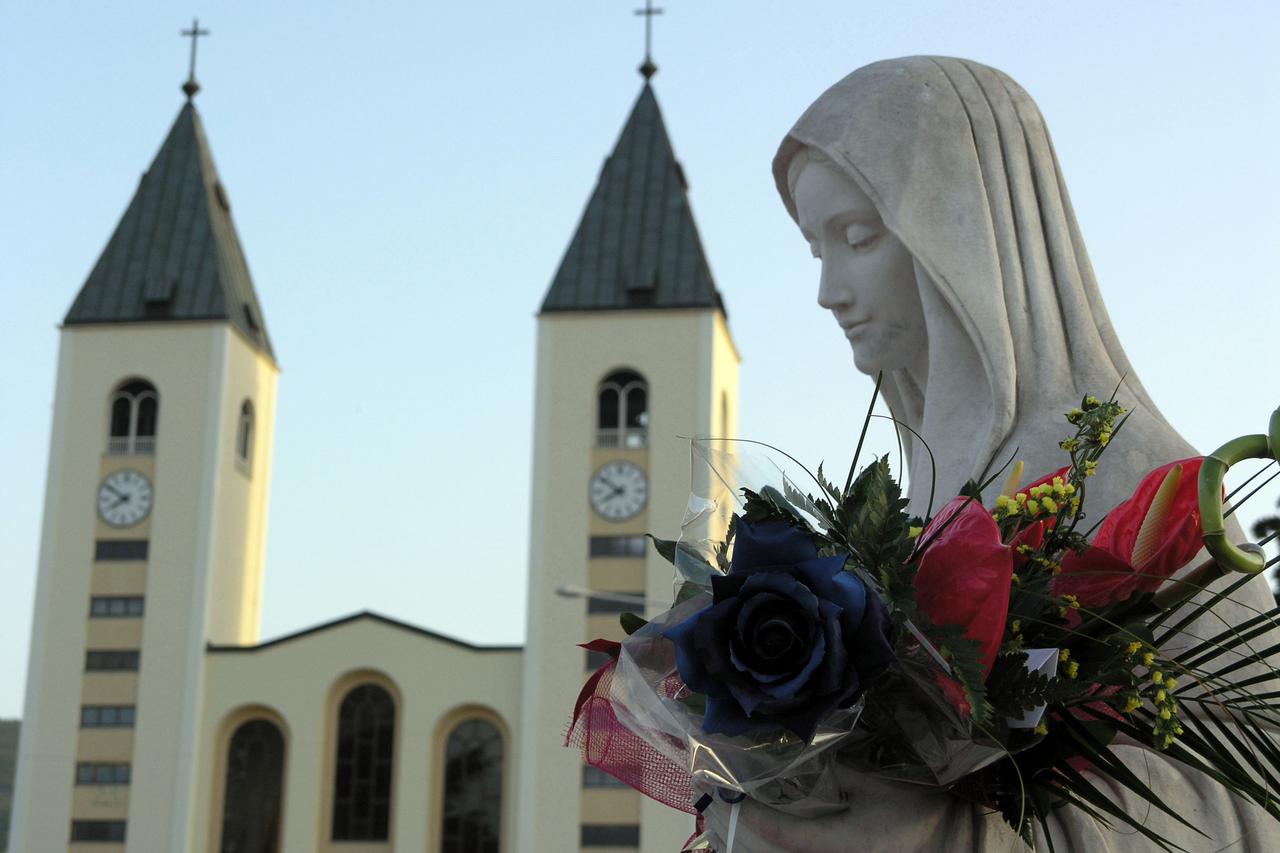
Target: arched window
{"type": "Point", "coordinates": [135, 408]}
{"type": "Point", "coordinates": [244, 437]}
{"type": "Point", "coordinates": [362, 780]}
{"type": "Point", "coordinates": [472, 789]}
{"type": "Point", "coordinates": [252, 798]}
{"type": "Point", "coordinates": [622, 418]}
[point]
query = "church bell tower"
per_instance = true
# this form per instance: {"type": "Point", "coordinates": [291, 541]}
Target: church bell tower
{"type": "Point", "coordinates": [633, 356]}
{"type": "Point", "coordinates": [155, 513]}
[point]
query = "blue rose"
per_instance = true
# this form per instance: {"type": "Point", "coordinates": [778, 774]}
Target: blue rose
{"type": "Point", "coordinates": [788, 637]}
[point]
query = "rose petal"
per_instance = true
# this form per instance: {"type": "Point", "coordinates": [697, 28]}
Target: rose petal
{"type": "Point", "coordinates": [688, 662]}
{"type": "Point", "coordinates": [751, 663]}
{"type": "Point", "coordinates": [787, 690]}
{"type": "Point", "coordinates": [709, 642]}
{"type": "Point", "coordinates": [784, 585]}
{"type": "Point", "coordinates": [744, 648]}
{"type": "Point", "coordinates": [852, 595]}
{"type": "Point", "coordinates": [836, 668]}
{"type": "Point", "coordinates": [769, 544]}
{"type": "Point", "coordinates": [869, 647]}
{"type": "Point", "coordinates": [726, 586]}
{"type": "Point", "coordinates": [725, 716]}
{"type": "Point", "coordinates": [804, 718]}
{"type": "Point", "coordinates": [778, 638]}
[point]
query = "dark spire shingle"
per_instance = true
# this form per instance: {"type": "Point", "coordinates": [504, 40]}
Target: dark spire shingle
{"type": "Point", "coordinates": [175, 254]}
{"type": "Point", "coordinates": [637, 246]}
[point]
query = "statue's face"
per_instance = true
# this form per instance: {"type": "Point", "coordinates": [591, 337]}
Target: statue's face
{"type": "Point", "coordinates": [868, 278]}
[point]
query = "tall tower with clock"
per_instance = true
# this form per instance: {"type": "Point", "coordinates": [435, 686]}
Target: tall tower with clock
{"type": "Point", "coordinates": [634, 356]}
{"type": "Point", "coordinates": [155, 513]}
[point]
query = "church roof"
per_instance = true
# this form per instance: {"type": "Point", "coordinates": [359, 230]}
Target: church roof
{"type": "Point", "coordinates": [363, 615]}
{"type": "Point", "coordinates": [637, 245]}
{"type": "Point", "coordinates": [175, 254]}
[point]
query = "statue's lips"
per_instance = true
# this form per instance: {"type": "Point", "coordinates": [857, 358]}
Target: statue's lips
{"type": "Point", "coordinates": [852, 330]}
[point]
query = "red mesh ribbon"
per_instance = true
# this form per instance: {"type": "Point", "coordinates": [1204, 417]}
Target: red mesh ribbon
{"type": "Point", "coordinates": [610, 746]}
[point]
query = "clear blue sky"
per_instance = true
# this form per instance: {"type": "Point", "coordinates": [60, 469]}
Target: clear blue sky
{"type": "Point", "coordinates": [405, 177]}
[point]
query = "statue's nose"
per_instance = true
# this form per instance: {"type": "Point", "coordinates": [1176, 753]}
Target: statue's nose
{"type": "Point", "coordinates": [833, 290]}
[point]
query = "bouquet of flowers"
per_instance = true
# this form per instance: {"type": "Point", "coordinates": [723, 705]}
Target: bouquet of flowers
{"type": "Point", "coordinates": [994, 648]}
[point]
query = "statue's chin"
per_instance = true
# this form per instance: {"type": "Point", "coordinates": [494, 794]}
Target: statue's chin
{"type": "Point", "coordinates": [866, 362]}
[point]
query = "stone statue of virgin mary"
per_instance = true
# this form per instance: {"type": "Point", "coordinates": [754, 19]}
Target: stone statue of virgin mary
{"type": "Point", "coordinates": [952, 260]}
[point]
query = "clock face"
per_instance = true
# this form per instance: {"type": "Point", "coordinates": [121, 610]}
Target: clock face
{"type": "Point", "coordinates": [124, 498]}
{"type": "Point", "coordinates": [619, 491]}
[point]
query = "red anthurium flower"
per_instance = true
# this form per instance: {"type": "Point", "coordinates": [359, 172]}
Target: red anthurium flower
{"type": "Point", "coordinates": [1032, 536]}
{"type": "Point", "coordinates": [964, 574]}
{"type": "Point", "coordinates": [954, 693]}
{"type": "Point", "coordinates": [1126, 558]}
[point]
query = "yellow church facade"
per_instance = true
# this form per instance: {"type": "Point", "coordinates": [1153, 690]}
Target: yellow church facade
{"type": "Point", "coordinates": [157, 719]}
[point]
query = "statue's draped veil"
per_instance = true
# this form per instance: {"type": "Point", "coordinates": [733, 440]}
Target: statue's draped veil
{"type": "Point", "coordinates": [956, 157]}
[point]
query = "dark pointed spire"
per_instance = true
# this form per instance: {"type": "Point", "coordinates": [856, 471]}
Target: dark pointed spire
{"type": "Point", "coordinates": [175, 254]}
{"type": "Point", "coordinates": [637, 246]}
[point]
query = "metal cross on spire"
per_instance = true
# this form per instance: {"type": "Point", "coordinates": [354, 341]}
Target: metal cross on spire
{"type": "Point", "coordinates": [648, 69]}
{"type": "Point", "coordinates": [191, 86]}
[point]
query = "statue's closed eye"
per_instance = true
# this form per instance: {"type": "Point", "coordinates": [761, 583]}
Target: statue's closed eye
{"type": "Point", "coordinates": [860, 237]}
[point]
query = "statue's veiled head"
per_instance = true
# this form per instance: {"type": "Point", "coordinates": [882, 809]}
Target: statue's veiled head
{"type": "Point", "coordinates": [940, 171]}
{"type": "Point", "coordinates": [868, 278]}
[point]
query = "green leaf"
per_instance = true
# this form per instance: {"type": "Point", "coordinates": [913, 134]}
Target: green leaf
{"type": "Point", "coordinates": [808, 503]}
{"type": "Point", "coordinates": [696, 567]}
{"type": "Point", "coordinates": [688, 591]}
{"type": "Point", "coordinates": [829, 487]}
{"type": "Point", "coordinates": [769, 504]}
{"type": "Point", "coordinates": [1013, 689]}
{"type": "Point", "coordinates": [631, 622]}
{"type": "Point", "coordinates": [666, 548]}
{"type": "Point", "coordinates": [873, 522]}
{"type": "Point", "coordinates": [971, 489]}
{"type": "Point", "coordinates": [695, 702]}
{"type": "Point", "coordinates": [1224, 641]}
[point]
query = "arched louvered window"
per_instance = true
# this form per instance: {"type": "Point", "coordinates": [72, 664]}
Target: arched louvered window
{"type": "Point", "coordinates": [255, 780]}
{"type": "Point", "coordinates": [135, 409]}
{"type": "Point", "coordinates": [366, 752]}
{"type": "Point", "coordinates": [244, 437]}
{"type": "Point", "coordinates": [622, 416]}
{"type": "Point", "coordinates": [472, 789]}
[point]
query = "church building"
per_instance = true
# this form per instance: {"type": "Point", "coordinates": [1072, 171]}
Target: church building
{"type": "Point", "coordinates": [157, 718]}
